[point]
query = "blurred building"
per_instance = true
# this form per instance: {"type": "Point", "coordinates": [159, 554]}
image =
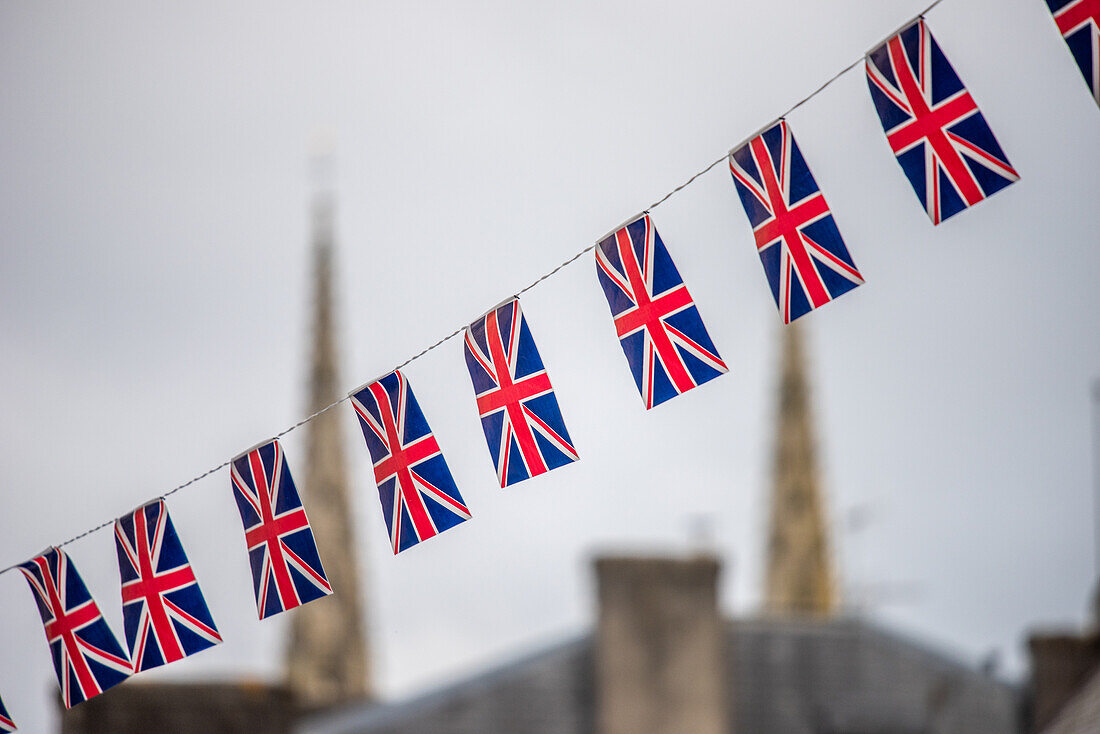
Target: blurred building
{"type": "Point", "coordinates": [326, 661]}
{"type": "Point", "coordinates": [663, 659]}
{"type": "Point", "coordinates": [1081, 713]}
{"type": "Point", "coordinates": [1065, 679]}
{"type": "Point", "coordinates": [799, 578]}
{"type": "Point", "coordinates": [216, 707]}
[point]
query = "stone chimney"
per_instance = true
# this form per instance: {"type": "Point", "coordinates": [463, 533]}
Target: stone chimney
{"type": "Point", "coordinates": [660, 647]}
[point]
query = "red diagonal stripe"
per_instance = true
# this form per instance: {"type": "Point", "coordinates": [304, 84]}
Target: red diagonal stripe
{"type": "Point", "coordinates": [928, 123]}
{"type": "Point", "coordinates": [64, 624]}
{"type": "Point", "coordinates": [150, 586]}
{"type": "Point", "coordinates": [931, 122]}
{"type": "Point", "coordinates": [269, 530]}
{"type": "Point", "coordinates": [402, 457]}
{"type": "Point", "coordinates": [650, 314]}
{"type": "Point", "coordinates": [511, 393]}
{"type": "Point", "coordinates": [1077, 13]}
{"type": "Point", "coordinates": [163, 583]}
{"type": "Point", "coordinates": [188, 618]}
{"type": "Point", "coordinates": [399, 461]}
{"type": "Point", "coordinates": [787, 222]}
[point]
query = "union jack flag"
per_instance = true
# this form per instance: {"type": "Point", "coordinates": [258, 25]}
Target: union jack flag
{"type": "Point", "coordinates": [6, 723]}
{"type": "Point", "coordinates": [86, 656]}
{"type": "Point", "coordinates": [163, 609]}
{"type": "Point", "coordinates": [933, 125]}
{"type": "Point", "coordinates": [662, 335]}
{"type": "Point", "coordinates": [418, 494]}
{"type": "Point", "coordinates": [1079, 23]}
{"type": "Point", "coordinates": [286, 568]}
{"type": "Point", "coordinates": [799, 244]}
{"type": "Point", "coordinates": [519, 411]}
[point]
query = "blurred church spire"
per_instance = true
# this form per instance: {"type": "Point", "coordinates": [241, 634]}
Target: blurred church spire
{"type": "Point", "coordinates": [327, 658]}
{"type": "Point", "coordinates": [800, 578]}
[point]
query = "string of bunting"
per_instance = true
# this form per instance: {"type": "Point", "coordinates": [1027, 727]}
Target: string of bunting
{"type": "Point", "coordinates": [943, 145]}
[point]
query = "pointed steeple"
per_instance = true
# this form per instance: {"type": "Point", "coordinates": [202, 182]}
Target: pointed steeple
{"type": "Point", "coordinates": [800, 578]}
{"type": "Point", "coordinates": [327, 658]}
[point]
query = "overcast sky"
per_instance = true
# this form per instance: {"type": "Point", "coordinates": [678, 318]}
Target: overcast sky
{"type": "Point", "coordinates": [154, 304]}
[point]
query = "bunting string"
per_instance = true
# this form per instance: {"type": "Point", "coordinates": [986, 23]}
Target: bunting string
{"type": "Point", "coordinates": [525, 289]}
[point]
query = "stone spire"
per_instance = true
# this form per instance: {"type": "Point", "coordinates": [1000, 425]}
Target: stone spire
{"type": "Point", "coordinates": [800, 578]}
{"type": "Point", "coordinates": [326, 661]}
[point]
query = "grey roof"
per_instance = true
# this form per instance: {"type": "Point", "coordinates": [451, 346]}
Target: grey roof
{"type": "Point", "coordinates": [838, 676]}
{"type": "Point", "coordinates": [545, 693]}
{"type": "Point", "coordinates": [846, 676]}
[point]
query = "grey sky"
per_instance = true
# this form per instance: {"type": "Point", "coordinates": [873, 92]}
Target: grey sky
{"type": "Point", "coordinates": [154, 302]}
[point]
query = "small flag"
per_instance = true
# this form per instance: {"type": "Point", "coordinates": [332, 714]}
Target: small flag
{"type": "Point", "coordinates": [1079, 23]}
{"type": "Point", "coordinates": [286, 569]}
{"type": "Point", "coordinates": [933, 125]}
{"type": "Point", "coordinates": [662, 335]}
{"type": "Point", "coordinates": [6, 723]}
{"type": "Point", "coordinates": [799, 244]}
{"type": "Point", "coordinates": [86, 655]}
{"type": "Point", "coordinates": [163, 610]}
{"type": "Point", "coordinates": [519, 411]}
{"type": "Point", "coordinates": [418, 494]}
